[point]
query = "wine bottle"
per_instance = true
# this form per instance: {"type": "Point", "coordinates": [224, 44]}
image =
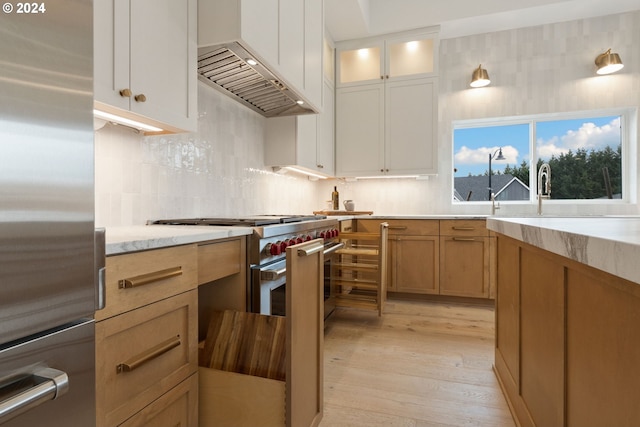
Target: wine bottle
{"type": "Point", "coordinates": [335, 198]}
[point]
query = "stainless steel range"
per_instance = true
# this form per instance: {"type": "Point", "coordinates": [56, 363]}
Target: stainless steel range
{"type": "Point", "coordinates": [267, 252]}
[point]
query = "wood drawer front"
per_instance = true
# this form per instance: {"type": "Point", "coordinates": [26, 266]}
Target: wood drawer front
{"type": "Point", "coordinates": [176, 269]}
{"type": "Point", "coordinates": [177, 407]}
{"type": "Point", "coordinates": [146, 337]}
{"type": "Point", "coordinates": [463, 227]}
{"type": "Point", "coordinates": [407, 227]}
{"type": "Point", "coordinates": [220, 259]}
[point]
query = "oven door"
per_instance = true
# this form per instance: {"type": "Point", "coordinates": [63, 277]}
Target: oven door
{"type": "Point", "coordinates": [268, 285]}
{"type": "Point", "coordinates": [268, 288]}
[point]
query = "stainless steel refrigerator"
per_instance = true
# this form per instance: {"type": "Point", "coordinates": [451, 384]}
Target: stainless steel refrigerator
{"type": "Point", "coordinates": [48, 255]}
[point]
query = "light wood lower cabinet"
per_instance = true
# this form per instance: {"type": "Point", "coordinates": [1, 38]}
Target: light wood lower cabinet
{"type": "Point", "coordinates": [439, 257]}
{"type": "Point", "coordinates": [567, 340]}
{"type": "Point", "coordinates": [464, 258]}
{"type": "Point", "coordinates": [222, 278]}
{"type": "Point", "coordinates": [413, 254]}
{"type": "Point", "coordinates": [177, 407]}
{"type": "Point", "coordinates": [146, 339]}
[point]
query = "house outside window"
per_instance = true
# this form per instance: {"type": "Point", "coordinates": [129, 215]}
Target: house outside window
{"type": "Point", "coordinates": [585, 151]}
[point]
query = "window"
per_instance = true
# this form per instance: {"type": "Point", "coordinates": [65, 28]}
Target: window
{"type": "Point", "coordinates": [584, 152]}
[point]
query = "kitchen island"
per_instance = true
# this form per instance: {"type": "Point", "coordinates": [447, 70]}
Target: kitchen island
{"type": "Point", "coordinates": [567, 317]}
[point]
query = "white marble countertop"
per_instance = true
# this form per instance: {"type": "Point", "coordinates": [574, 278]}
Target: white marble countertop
{"type": "Point", "coordinates": [121, 240]}
{"type": "Point", "coordinates": [608, 243]}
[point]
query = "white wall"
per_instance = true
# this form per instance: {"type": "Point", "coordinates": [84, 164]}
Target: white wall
{"type": "Point", "coordinates": [220, 171]}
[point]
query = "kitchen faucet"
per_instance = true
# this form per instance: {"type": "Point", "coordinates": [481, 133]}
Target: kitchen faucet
{"type": "Point", "coordinates": [544, 172]}
{"type": "Point", "coordinates": [494, 206]}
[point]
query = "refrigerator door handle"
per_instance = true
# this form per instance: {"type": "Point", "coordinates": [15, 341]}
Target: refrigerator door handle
{"type": "Point", "coordinates": [50, 384]}
{"type": "Point", "coordinates": [100, 279]}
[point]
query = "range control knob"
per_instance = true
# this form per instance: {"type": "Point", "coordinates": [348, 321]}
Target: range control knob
{"type": "Point", "coordinates": [324, 234]}
{"type": "Point", "coordinates": [299, 240]}
{"type": "Point", "coordinates": [308, 237]}
{"type": "Point", "coordinates": [334, 232]}
{"type": "Point", "coordinates": [291, 242]}
{"type": "Point", "coordinates": [283, 247]}
{"type": "Point", "coordinates": [273, 249]}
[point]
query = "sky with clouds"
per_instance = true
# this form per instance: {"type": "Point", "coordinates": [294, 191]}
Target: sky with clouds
{"type": "Point", "coordinates": [473, 146]}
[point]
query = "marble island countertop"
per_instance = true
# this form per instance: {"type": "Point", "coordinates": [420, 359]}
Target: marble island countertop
{"type": "Point", "coordinates": [121, 240]}
{"type": "Point", "coordinates": [608, 243]}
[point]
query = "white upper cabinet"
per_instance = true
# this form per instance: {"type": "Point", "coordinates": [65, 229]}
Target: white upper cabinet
{"type": "Point", "coordinates": [406, 56]}
{"type": "Point", "coordinates": [386, 105]}
{"type": "Point", "coordinates": [306, 141]}
{"type": "Point", "coordinates": [145, 61]}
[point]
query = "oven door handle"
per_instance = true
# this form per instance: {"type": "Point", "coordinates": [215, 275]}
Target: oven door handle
{"type": "Point", "coordinates": [273, 274]}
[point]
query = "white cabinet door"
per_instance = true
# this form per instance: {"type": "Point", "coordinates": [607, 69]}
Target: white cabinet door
{"type": "Point", "coordinates": [325, 147]}
{"type": "Point", "coordinates": [145, 60]}
{"type": "Point", "coordinates": [360, 130]}
{"type": "Point", "coordinates": [410, 138]}
{"type": "Point", "coordinates": [161, 67]}
{"type": "Point", "coordinates": [111, 52]}
{"type": "Point", "coordinates": [307, 141]}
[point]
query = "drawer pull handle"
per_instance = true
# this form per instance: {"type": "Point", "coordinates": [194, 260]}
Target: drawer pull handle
{"type": "Point", "coordinates": [145, 279]}
{"type": "Point", "coordinates": [463, 228]}
{"type": "Point", "coordinates": [152, 353]}
{"type": "Point", "coordinates": [464, 239]}
{"type": "Point", "coordinates": [397, 227]}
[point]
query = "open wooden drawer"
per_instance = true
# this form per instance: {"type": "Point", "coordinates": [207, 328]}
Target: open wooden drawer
{"type": "Point", "coordinates": [261, 343]}
{"type": "Point", "coordinates": [360, 270]}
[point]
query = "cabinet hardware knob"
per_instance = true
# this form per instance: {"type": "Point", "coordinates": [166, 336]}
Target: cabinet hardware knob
{"type": "Point", "coordinates": [320, 166]}
{"type": "Point", "coordinates": [381, 77]}
{"type": "Point", "coordinates": [387, 76]}
{"type": "Point", "coordinates": [140, 98]}
{"type": "Point", "coordinates": [125, 93]}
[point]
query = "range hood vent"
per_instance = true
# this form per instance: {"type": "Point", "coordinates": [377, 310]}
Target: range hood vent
{"type": "Point", "coordinates": [225, 68]}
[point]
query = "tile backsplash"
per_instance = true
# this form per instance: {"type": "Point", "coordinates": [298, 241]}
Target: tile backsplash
{"type": "Point", "coordinates": [218, 171]}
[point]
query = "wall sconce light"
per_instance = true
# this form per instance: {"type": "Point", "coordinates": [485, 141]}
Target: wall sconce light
{"type": "Point", "coordinates": [480, 77]}
{"type": "Point", "coordinates": [608, 63]}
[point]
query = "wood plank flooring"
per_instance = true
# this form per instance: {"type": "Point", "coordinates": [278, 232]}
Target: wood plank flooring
{"type": "Point", "coordinates": [421, 364]}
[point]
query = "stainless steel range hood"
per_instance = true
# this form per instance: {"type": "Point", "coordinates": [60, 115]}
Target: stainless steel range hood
{"type": "Point", "coordinates": [225, 68]}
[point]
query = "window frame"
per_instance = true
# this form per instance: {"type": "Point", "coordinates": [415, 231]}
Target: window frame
{"type": "Point", "coordinates": [628, 133]}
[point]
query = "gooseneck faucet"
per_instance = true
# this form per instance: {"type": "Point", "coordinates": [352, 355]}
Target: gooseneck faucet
{"type": "Point", "coordinates": [494, 205]}
{"type": "Point", "coordinates": [544, 173]}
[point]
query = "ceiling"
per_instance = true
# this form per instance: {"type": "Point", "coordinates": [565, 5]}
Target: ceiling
{"type": "Point", "coordinates": [351, 19]}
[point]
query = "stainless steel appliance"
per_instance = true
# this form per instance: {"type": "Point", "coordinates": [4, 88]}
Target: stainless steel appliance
{"type": "Point", "coordinates": [48, 260]}
{"type": "Point", "coordinates": [267, 253]}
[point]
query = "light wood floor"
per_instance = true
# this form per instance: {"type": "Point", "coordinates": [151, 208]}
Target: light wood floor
{"type": "Point", "coordinates": [421, 364]}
